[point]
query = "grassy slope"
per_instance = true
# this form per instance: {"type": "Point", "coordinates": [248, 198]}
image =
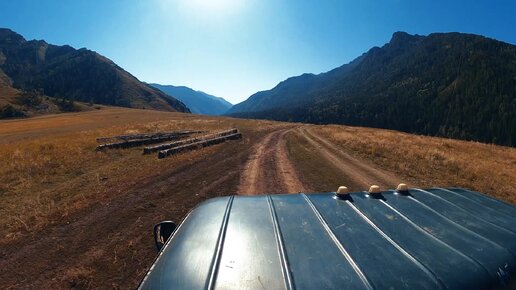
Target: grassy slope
{"type": "Point", "coordinates": [12, 97]}
{"type": "Point", "coordinates": [422, 161]}
{"type": "Point", "coordinates": [8, 94]}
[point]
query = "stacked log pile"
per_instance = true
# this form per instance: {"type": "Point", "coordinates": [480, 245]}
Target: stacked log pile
{"type": "Point", "coordinates": [215, 139]}
{"type": "Point", "coordinates": [167, 149]}
{"type": "Point", "coordinates": [139, 136]}
{"type": "Point", "coordinates": [142, 139]}
{"type": "Point", "coordinates": [161, 147]}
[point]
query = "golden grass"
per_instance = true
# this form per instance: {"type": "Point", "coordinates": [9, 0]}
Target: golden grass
{"type": "Point", "coordinates": [431, 161]}
{"type": "Point", "coordinates": [49, 167]}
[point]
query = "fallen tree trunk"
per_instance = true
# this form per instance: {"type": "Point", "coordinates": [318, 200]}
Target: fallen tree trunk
{"type": "Point", "coordinates": [198, 145]}
{"type": "Point", "coordinates": [146, 141]}
{"type": "Point", "coordinates": [144, 136]}
{"type": "Point", "coordinates": [151, 149]}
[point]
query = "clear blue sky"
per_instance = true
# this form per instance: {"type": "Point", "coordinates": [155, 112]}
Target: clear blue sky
{"type": "Point", "coordinates": [234, 48]}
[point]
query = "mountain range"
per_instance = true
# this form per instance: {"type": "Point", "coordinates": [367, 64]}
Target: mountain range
{"type": "Point", "coordinates": [198, 102]}
{"type": "Point", "coordinates": [42, 71]}
{"type": "Point", "coordinates": [445, 84]}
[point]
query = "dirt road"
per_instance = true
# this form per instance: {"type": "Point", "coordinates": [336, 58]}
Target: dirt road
{"type": "Point", "coordinates": [360, 173]}
{"type": "Point", "coordinates": [109, 244]}
{"type": "Point", "coordinates": [269, 169]}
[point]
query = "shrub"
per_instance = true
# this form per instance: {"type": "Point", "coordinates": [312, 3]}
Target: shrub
{"type": "Point", "coordinates": [9, 112]}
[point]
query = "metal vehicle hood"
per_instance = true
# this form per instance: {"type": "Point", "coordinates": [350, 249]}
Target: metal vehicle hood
{"type": "Point", "coordinates": [423, 239]}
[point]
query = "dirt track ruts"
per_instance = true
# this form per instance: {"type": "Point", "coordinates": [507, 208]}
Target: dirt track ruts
{"type": "Point", "coordinates": [112, 241]}
{"type": "Point", "coordinates": [269, 169]}
{"type": "Point", "coordinates": [360, 172]}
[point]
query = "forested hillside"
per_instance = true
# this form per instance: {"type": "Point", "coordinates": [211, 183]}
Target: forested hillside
{"type": "Point", "coordinates": [67, 74]}
{"type": "Point", "coordinates": [447, 84]}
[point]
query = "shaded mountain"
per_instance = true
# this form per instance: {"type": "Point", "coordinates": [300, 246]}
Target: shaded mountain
{"type": "Point", "coordinates": [198, 102]}
{"type": "Point", "coordinates": [447, 84]}
{"type": "Point", "coordinates": [15, 103]}
{"type": "Point", "coordinates": [65, 73]}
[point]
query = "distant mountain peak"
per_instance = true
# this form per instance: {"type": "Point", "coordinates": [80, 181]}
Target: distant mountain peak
{"type": "Point", "coordinates": [199, 102]}
{"type": "Point", "coordinates": [7, 36]}
{"type": "Point", "coordinates": [400, 36]}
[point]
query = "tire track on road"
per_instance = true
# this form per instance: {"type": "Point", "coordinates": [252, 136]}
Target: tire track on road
{"type": "Point", "coordinates": [269, 169]}
{"type": "Point", "coordinates": [361, 173]}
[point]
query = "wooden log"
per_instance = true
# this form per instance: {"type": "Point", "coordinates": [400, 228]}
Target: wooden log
{"type": "Point", "coordinates": [151, 149]}
{"type": "Point", "coordinates": [198, 145]}
{"type": "Point", "coordinates": [145, 141]}
{"type": "Point", "coordinates": [144, 135]}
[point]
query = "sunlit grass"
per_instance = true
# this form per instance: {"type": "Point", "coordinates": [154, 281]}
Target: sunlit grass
{"type": "Point", "coordinates": [430, 161]}
{"type": "Point", "coordinates": [49, 167]}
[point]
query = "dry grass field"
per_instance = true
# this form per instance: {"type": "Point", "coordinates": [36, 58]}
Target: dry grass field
{"type": "Point", "coordinates": [49, 166]}
{"type": "Point", "coordinates": [419, 161]}
{"type": "Point", "coordinates": [71, 217]}
{"type": "Point", "coordinates": [82, 218]}
{"type": "Point", "coordinates": [429, 161]}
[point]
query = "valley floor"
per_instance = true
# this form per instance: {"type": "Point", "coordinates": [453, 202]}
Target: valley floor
{"type": "Point", "coordinates": [71, 217]}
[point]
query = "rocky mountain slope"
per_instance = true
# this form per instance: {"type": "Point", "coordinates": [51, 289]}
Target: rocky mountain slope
{"type": "Point", "coordinates": [68, 74]}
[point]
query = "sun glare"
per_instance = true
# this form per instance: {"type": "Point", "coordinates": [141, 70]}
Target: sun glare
{"type": "Point", "coordinates": [212, 8]}
{"type": "Point", "coordinates": [213, 5]}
